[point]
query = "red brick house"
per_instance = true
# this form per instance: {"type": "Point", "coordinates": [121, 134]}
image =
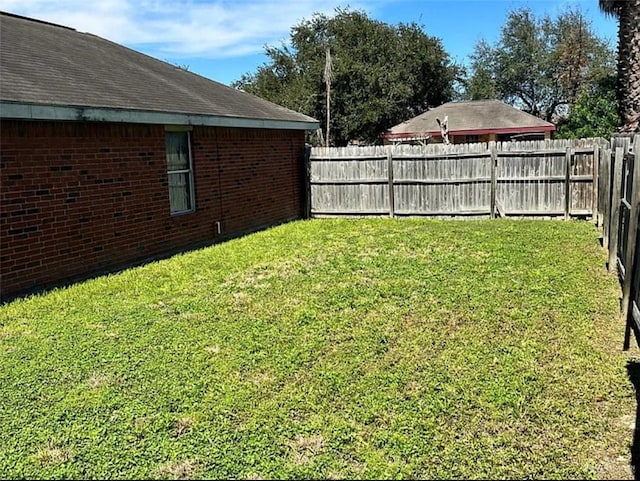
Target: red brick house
{"type": "Point", "coordinates": [109, 157]}
{"type": "Point", "coordinates": [474, 121]}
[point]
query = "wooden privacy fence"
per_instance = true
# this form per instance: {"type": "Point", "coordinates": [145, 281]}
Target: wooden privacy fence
{"type": "Point", "coordinates": [618, 215]}
{"type": "Point", "coordinates": [536, 178]}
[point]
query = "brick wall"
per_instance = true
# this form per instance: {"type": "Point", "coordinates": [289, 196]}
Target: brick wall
{"type": "Point", "coordinates": [78, 198]}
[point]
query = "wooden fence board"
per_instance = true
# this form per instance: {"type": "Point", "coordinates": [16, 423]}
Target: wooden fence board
{"type": "Point", "coordinates": [626, 192]}
{"type": "Point", "coordinates": [631, 284]}
{"type": "Point", "coordinates": [618, 193]}
{"type": "Point", "coordinates": [521, 178]}
{"type": "Point", "coordinates": [614, 206]}
{"type": "Point", "coordinates": [597, 167]}
{"type": "Point", "coordinates": [633, 199]}
{"type": "Point", "coordinates": [604, 186]}
{"type": "Point", "coordinates": [582, 192]}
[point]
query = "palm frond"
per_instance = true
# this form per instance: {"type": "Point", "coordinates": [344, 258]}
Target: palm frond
{"type": "Point", "coordinates": [611, 7]}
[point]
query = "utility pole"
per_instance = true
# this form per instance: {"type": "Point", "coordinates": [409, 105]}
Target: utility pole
{"type": "Point", "coordinates": [328, 77]}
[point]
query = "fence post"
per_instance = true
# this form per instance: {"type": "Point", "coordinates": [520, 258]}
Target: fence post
{"type": "Point", "coordinates": [391, 193]}
{"type": "Point", "coordinates": [306, 181]}
{"type": "Point", "coordinates": [604, 210]}
{"type": "Point", "coordinates": [567, 184]}
{"type": "Point", "coordinates": [616, 194]}
{"type": "Point", "coordinates": [634, 201]}
{"type": "Point", "coordinates": [494, 167]}
{"type": "Point", "coordinates": [595, 204]}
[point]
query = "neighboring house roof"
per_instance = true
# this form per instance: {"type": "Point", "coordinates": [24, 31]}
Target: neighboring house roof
{"type": "Point", "coordinates": [471, 118]}
{"type": "Point", "coordinates": [49, 71]}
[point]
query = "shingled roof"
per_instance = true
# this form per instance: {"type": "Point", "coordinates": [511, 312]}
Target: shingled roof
{"type": "Point", "coordinates": [49, 71]}
{"type": "Point", "coordinates": [471, 118]}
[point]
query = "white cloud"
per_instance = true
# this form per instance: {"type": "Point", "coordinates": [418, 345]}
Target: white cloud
{"type": "Point", "coordinates": [181, 28]}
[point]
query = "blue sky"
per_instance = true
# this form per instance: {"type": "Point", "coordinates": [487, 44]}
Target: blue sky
{"type": "Point", "coordinates": [222, 39]}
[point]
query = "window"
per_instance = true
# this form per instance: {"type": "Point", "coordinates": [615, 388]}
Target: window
{"type": "Point", "coordinates": [179, 172]}
{"type": "Point", "coordinates": [472, 138]}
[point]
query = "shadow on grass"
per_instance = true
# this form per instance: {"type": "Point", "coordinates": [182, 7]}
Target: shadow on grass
{"type": "Point", "coordinates": [92, 273]}
{"type": "Point", "coordinates": [633, 371]}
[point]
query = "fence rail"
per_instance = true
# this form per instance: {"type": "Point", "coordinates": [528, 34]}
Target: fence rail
{"type": "Point", "coordinates": [537, 178]}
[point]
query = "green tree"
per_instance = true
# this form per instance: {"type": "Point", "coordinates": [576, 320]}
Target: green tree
{"type": "Point", "coordinates": [541, 65]}
{"type": "Point", "coordinates": [594, 114]}
{"type": "Point", "coordinates": [482, 84]}
{"type": "Point", "coordinates": [381, 74]}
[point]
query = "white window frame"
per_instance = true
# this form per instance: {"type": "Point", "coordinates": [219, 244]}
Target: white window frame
{"type": "Point", "coordinates": [190, 184]}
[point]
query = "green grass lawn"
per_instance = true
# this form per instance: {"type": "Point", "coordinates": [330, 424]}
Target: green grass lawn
{"type": "Point", "coordinates": [326, 348]}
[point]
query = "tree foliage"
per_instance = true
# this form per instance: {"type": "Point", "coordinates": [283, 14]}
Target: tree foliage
{"type": "Point", "coordinates": [594, 114]}
{"type": "Point", "coordinates": [482, 85]}
{"type": "Point", "coordinates": [541, 65]}
{"type": "Point", "coordinates": [382, 74]}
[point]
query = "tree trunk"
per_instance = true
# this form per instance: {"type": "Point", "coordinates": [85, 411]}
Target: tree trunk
{"type": "Point", "coordinates": [628, 83]}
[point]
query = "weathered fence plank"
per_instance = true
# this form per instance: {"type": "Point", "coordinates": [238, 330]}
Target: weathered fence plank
{"type": "Point", "coordinates": [598, 170]}
{"type": "Point", "coordinates": [634, 308]}
{"type": "Point", "coordinates": [581, 181]}
{"type": "Point", "coordinates": [604, 212]}
{"type": "Point", "coordinates": [632, 244]}
{"type": "Point", "coordinates": [615, 207]}
{"type": "Point", "coordinates": [625, 213]}
{"type": "Point", "coordinates": [494, 165]}
{"type": "Point", "coordinates": [449, 184]}
{"type": "Point", "coordinates": [513, 178]}
{"type": "Point", "coordinates": [391, 188]}
{"type": "Point", "coordinates": [619, 203]}
{"type": "Point", "coordinates": [567, 184]}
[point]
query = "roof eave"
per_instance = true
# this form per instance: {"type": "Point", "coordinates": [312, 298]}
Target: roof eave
{"type": "Point", "coordinates": [32, 111]}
